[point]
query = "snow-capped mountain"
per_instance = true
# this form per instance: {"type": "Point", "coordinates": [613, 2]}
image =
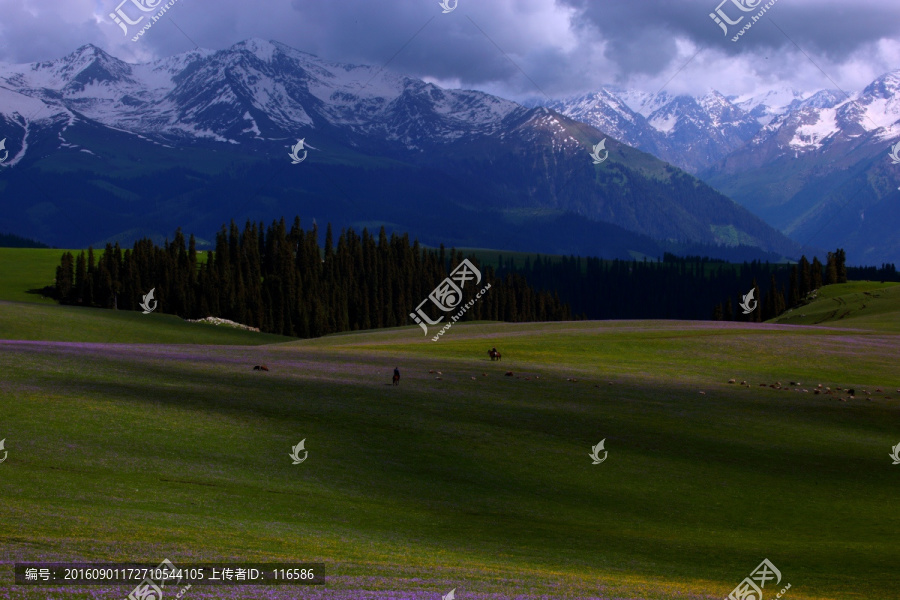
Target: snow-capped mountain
{"type": "Point", "coordinates": [690, 133]}
{"type": "Point", "coordinates": [124, 150]}
{"type": "Point", "coordinates": [822, 171]}
{"type": "Point", "coordinates": [257, 89]}
{"type": "Point", "coordinates": [831, 117]}
{"type": "Point", "coordinates": [782, 154]}
{"type": "Point", "coordinates": [769, 104]}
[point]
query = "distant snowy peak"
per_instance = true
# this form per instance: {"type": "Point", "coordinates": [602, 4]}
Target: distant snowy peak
{"type": "Point", "coordinates": [695, 133]}
{"type": "Point", "coordinates": [881, 100]}
{"type": "Point", "coordinates": [781, 97]}
{"type": "Point", "coordinates": [886, 87]}
{"type": "Point", "coordinates": [256, 89]}
{"type": "Point", "coordinates": [604, 110]}
{"type": "Point", "coordinates": [171, 66]}
{"type": "Point", "coordinates": [86, 67]}
{"type": "Point", "coordinates": [832, 116]}
{"type": "Point", "coordinates": [640, 102]}
{"type": "Point", "coordinates": [688, 132]}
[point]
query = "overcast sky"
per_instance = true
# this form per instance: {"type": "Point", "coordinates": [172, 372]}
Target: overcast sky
{"type": "Point", "coordinates": [514, 48]}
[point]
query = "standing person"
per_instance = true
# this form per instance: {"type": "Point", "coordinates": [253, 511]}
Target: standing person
{"type": "Point", "coordinates": [396, 375]}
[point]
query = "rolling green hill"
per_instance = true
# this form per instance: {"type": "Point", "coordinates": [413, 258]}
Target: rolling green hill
{"type": "Point", "coordinates": [30, 321]}
{"type": "Point", "coordinates": [139, 437]}
{"type": "Point", "coordinates": [462, 477]}
{"type": "Point", "coordinates": [857, 304]}
{"type": "Point", "coordinates": [24, 269]}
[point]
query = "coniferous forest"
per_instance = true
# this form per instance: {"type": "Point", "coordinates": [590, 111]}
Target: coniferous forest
{"type": "Point", "coordinates": [685, 287]}
{"type": "Point", "coordinates": [281, 281]}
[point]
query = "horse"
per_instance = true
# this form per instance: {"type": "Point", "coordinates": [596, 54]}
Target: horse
{"type": "Point", "coordinates": [396, 379]}
{"type": "Point", "coordinates": [494, 354]}
{"type": "Point", "coordinates": [260, 368]}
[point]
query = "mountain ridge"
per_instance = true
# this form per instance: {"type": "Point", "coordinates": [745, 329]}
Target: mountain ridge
{"type": "Point", "coordinates": [140, 139]}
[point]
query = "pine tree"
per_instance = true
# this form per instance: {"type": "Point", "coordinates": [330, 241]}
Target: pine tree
{"type": "Point", "coordinates": [841, 265]}
{"type": "Point", "coordinates": [831, 270]}
{"type": "Point", "coordinates": [796, 289]}
{"type": "Point", "coordinates": [90, 279]}
{"type": "Point", "coordinates": [805, 280]}
{"type": "Point", "coordinates": [778, 301]}
{"type": "Point", "coordinates": [65, 277]}
{"type": "Point", "coordinates": [80, 279]}
{"type": "Point", "coordinates": [816, 274]}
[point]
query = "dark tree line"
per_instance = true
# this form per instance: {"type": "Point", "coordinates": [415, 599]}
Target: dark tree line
{"type": "Point", "coordinates": [803, 278]}
{"type": "Point", "coordinates": [681, 287]}
{"type": "Point", "coordinates": [9, 240]}
{"type": "Point", "coordinates": [672, 288]}
{"type": "Point", "coordinates": [887, 272]}
{"type": "Point", "coordinates": [283, 282]}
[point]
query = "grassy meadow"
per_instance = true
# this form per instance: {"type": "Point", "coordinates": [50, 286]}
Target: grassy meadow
{"type": "Point", "coordinates": [140, 437]}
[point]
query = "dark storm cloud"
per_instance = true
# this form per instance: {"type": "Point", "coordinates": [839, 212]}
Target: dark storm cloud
{"type": "Point", "coordinates": [838, 27]}
{"type": "Point", "coordinates": [562, 46]}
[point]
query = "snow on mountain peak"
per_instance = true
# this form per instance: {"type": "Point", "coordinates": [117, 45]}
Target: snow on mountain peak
{"type": "Point", "coordinates": [887, 86]}
{"type": "Point", "coordinates": [262, 49]}
{"type": "Point", "coordinates": [768, 104]}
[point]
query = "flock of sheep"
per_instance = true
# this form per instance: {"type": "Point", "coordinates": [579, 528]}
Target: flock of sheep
{"type": "Point", "coordinates": [819, 389]}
